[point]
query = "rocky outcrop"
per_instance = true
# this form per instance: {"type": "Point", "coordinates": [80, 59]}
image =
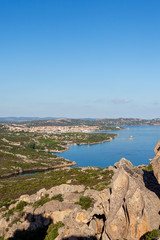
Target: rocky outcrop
{"type": "Point", "coordinates": [128, 208]}
{"type": "Point", "coordinates": [156, 162]}
{"type": "Point", "coordinates": [133, 209]}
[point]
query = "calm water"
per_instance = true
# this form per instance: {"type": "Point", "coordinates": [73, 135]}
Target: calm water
{"type": "Point", "coordinates": [105, 154]}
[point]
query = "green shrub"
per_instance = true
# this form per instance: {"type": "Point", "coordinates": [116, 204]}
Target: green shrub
{"type": "Point", "coordinates": [6, 202]}
{"type": "Point", "coordinates": [58, 197]}
{"type": "Point", "coordinates": [20, 206]}
{"type": "Point", "coordinates": [153, 235]}
{"type": "Point", "coordinates": [42, 201]}
{"type": "Point", "coordinates": [52, 231]}
{"type": "Point", "coordinates": [8, 214]}
{"type": "Point", "coordinates": [85, 202]}
{"type": "Point", "coordinates": [148, 168]}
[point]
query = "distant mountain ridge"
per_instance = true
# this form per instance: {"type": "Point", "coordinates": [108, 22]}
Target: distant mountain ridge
{"type": "Point", "coordinates": [23, 119]}
{"type": "Point", "coordinates": [53, 121]}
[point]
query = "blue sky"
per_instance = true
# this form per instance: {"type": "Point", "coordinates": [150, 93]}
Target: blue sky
{"type": "Point", "coordinates": [80, 58]}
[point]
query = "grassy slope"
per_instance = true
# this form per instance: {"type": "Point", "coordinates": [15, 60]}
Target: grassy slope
{"type": "Point", "coordinates": [14, 187]}
{"type": "Point", "coordinates": [22, 151]}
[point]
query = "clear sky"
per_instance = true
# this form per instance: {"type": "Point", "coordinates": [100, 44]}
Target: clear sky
{"type": "Point", "coordinates": [80, 58]}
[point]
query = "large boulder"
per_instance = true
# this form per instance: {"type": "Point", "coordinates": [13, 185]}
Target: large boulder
{"type": "Point", "coordinates": [156, 162]}
{"type": "Point", "coordinates": [133, 208]}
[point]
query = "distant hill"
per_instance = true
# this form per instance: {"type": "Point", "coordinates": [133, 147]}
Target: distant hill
{"type": "Point", "coordinates": [23, 119]}
{"type": "Point", "coordinates": [51, 121]}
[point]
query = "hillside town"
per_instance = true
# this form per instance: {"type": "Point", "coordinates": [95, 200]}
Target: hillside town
{"type": "Point", "coordinates": [51, 129]}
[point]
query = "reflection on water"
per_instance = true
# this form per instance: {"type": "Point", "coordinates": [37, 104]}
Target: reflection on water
{"type": "Point", "coordinates": [134, 143]}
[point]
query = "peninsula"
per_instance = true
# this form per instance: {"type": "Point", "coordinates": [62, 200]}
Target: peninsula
{"type": "Point", "coordinates": [30, 151]}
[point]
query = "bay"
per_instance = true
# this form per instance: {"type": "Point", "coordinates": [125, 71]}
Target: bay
{"type": "Point", "coordinates": [138, 151]}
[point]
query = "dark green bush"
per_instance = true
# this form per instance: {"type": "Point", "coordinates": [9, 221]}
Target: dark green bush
{"type": "Point", "coordinates": [52, 231]}
{"type": "Point", "coordinates": [85, 202]}
{"type": "Point", "coordinates": [153, 235]}
{"type": "Point", "coordinates": [42, 201]}
{"type": "Point", "coordinates": [58, 197]}
{"type": "Point", "coordinates": [20, 206]}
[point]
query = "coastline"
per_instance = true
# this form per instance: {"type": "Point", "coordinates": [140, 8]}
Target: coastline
{"type": "Point", "coordinates": [36, 170]}
{"type": "Point", "coordinates": [79, 144]}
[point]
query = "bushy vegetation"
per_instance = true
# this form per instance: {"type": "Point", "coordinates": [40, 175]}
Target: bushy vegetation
{"type": "Point", "coordinates": [52, 231]}
{"type": "Point", "coordinates": [8, 214]}
{"type": "Point", "coordinates": [21, 152]}
{"type": "Point", "coordinates": [153, 235]}
{"type": "Point", "coordinates": [13, 188]}
{"type": "Point", "coordinates": [7, 202]}
{"type": "Point", "coordinates": [42, 201]}
{"type": "Point", "coordinates": [148, 168]}
{"type": "Point", "coordinates": [85, 202]}
{"type": "Point", "coordinates": [58, 197]}
{"type": "Point", "coordinates": [86, 138]}
{"type": "Point", "coordinates": [19, 208]}
{"type": "Point", "coordinates": [46, 199]}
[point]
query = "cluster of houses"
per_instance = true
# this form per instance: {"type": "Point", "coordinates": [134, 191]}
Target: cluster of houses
{"type": "Point", "coordinates": [52, 129]}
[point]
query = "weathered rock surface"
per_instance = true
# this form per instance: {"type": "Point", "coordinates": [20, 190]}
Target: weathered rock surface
{"type": "Point", "coordinates": [156, 162]}
{"type": "Point", "coordinates": [129, 208]}
{"type": "Point", "coordinates": [134, 209]}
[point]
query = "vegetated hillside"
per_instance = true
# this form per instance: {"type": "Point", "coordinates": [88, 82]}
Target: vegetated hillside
{"type": "Point", "coordinates": [93, 122]}
{"type": "Point", "coordinates": [27, 151]}
{"type": "Point", "coordinates": [19, 152]}
{"type": "Point", "coordinates": [91, 177]}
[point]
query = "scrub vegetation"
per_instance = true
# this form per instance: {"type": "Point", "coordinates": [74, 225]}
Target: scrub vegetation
{"type": "Point", "coordinates": [30, 151]}
{"type": "Point", "coordinates": [85, 202]}
{"type": "Point", "coordinates": [14, 187]}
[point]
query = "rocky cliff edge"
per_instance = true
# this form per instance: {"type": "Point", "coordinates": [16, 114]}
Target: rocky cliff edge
{"type": "Point", "coordinates": [127, 209]}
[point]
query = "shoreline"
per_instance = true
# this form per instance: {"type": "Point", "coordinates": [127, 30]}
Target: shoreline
{"type": "Point", "coordinates": [79, 144]}
{"type": "Point", "coordinates": [43, 169]}
{"type": "Point", "coordinates": [36, 170]}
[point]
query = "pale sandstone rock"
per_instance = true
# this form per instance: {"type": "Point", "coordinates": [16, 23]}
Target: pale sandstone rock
{"type": "Point", "coordinates": [12, 206]}
{"type": "Point", "coordinates": [134, 209]}
{"type": "Point", "coordinates": [64, 188]}
{"type": "Point", "coordinates": [76, 228]}
{"type": "Point", "coordinates": [3, 223]}
{"type": "Point", "coordinates": [156, 162]}
{"type": "Point", "coordinates": [157, 149]}
{"type": "Point", "coordinates": [69, 181]}
{"type": "Point", "coordinates": [25, 198]}
{"type": "Point", "coordinates": [71, 197]}
{"type": "Point", "coordinates": [57, 216]}
{"type": "Point", "coordinates": [92, 193]}
{"type": "Point", "coordinates": [156, 167]}
{"type": "Point", "coordinates": [81, 217]}
{"type": "Point", "coordinates": [111, 168]}
{"type": "Point", "coordinates": [42, 192]}
{"type": "Point", "coordinates": [54, 206]}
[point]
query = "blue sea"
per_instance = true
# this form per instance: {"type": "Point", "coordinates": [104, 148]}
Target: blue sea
{"type": "Point", "coordinates": [138, 151]}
